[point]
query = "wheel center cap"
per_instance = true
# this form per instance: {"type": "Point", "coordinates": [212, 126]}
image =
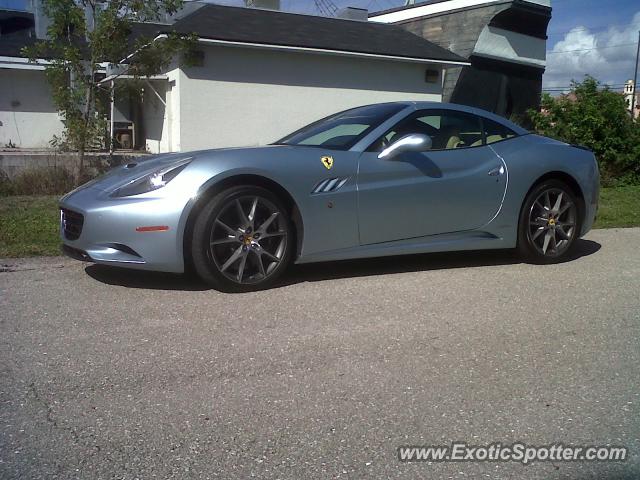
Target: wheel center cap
{"type": "Point", "coordinates": [248, 239]}
{"type": "Point", "coordinates": [552, 222]}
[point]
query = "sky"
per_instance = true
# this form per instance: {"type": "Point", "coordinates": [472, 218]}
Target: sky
{"type": "Point", "coordinates": [605, 33]}
{"type": "Point", "coordinates": [596, 37]}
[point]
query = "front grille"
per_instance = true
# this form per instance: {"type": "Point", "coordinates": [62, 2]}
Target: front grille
{"type": "Point", "coordinates": [71, 224]}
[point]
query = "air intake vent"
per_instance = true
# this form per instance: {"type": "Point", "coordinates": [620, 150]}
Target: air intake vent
{"type": "Point", "coordinates": [330, 185]}
{"type": "Point", "coordinates": [72, 223]}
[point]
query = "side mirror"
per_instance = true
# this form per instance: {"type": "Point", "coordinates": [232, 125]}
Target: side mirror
{"type": "Point", "coordinates": [414, 142]}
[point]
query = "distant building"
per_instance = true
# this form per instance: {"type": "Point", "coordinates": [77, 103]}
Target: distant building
{"type": "Point", "coordinates": [504, 40]}
{"type": "Point", "coordinates": [28, 117]}
{"type": "Point", "coordinates": [629, 92]}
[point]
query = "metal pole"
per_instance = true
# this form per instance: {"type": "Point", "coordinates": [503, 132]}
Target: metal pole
{"type": "Point", "coordinates": [111, 120]}
{"type": "Point", "coordinates": [635, 81]}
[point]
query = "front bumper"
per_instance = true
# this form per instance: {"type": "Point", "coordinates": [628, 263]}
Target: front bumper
{"type": "Point", "coordinates": [591, 199]}
{"type": "Point", "coordinates": [114, 231]}
{"type": "Point", "coordinates": [589, 218]}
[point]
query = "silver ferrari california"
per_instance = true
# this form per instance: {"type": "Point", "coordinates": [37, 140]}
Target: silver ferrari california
{"type": "Point", "coordinates": [386, 179]}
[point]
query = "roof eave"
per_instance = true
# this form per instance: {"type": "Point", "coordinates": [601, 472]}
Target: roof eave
{"type": "Point", "coordinates": [322, 51]}
{"type": "Point", "coordinates": [422, 7]}
{"type": "Point", "coordinates": [22, 63]}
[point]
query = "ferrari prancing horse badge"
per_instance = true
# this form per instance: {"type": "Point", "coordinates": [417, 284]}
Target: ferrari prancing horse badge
{"type": "Point", "coordinates": [327, 162]}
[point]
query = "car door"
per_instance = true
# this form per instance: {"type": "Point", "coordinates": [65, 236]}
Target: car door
{"type": "Point", "coordinates": [458, 185]}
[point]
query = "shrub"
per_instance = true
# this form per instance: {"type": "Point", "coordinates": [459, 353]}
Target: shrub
{"type": "Point", "coordinates": [39, 181]}
{"type": "Point", "coordinates": [596, 118]}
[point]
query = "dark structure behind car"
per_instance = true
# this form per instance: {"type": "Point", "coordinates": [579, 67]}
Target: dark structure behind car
{"type": "Point", "coordinates": [504, 40]}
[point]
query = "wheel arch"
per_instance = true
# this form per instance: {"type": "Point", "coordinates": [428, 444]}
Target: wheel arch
{"type": "Point", "coordinates": [232, 181]}
{"type": "Point", "coordinates": [565, 178]}
{"type": "Point", "coordinates": [574, 186]}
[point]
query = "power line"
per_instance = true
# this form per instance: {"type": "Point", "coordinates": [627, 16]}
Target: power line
{"type": "Point", "coordinates": [606, 5]}
{"type": "Point", "coordinates": [551, 52]}
{"type": "Point", "coordinates": [569, 87]}
{"type": "Point", "coordinates": [591, 29]}
{"type": "Point", "coordinates": [599, 84]}
{"type": "Point", "coordinates": [326, 7]}
{"type": "Point", "coordinates": [380, 6]}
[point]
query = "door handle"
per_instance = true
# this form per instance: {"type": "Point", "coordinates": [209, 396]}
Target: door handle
{"type": "Point", "coordinates": [497, 171]}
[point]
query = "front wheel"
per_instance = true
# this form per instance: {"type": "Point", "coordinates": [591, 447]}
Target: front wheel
{"type": "Point", "coordinates": [242, 240]}
{"type": "Point", "coordinates": [549, 223]}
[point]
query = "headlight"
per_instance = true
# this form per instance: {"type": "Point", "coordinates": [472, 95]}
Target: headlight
{"type": "Point", "coordinates": [151, 181]}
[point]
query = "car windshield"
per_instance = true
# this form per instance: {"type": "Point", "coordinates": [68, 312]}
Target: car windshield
{"type": "Point", "coordinates": [342, 130]}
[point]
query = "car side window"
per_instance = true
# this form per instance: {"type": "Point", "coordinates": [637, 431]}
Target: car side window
{"type": "Point", "coordinates": [448, 130]}
{"type": "Point", "coordinates": [337, 136]}
{"type": "Point", "coordinates": [496, 132]}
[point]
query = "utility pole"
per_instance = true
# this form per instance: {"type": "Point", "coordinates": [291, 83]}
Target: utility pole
{"type": "Point", "coordinates": [635, 81]}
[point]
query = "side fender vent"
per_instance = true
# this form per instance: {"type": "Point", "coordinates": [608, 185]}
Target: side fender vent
{"type": "Point", "coordinates": [330, 185]}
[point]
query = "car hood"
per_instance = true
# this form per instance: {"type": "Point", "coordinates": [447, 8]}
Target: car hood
{"type": "Point", "coordinates": [132, 170]}
{"type": "Point", "coordinates": [141, 166]}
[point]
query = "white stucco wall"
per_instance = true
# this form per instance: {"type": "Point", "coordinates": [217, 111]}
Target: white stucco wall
{"type": "Point", "coordinates": [243, 96]}
{"type": "Point", "coordinates": [162, 120]}
{"type": "Point", "coordinates": [29, 118]}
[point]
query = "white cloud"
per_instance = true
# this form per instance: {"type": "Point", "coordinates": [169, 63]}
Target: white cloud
{"type": "Point", "coordinates": [609, 65]}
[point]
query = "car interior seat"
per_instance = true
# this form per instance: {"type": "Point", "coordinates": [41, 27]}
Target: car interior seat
{"type": "Point", "coordinates": [449, 138]}
{"type": "Point", "coordinates": [490, 139]}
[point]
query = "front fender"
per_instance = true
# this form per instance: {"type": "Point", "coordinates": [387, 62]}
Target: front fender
{"type": "Point", "coordinates": [329, 219]}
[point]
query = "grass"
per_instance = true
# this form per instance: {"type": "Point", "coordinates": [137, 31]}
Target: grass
{"type": "Point", "coordinates": [29, 224]}
{"type": "Point", "coordinates": [619, 207]}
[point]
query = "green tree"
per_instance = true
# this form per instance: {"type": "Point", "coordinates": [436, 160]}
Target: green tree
{"type": "Point", "coordinates": [84, 35]}
{"type": "Point", "coordinates": [597, 118]}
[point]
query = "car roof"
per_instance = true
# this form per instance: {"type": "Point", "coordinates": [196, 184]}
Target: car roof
{"type": "Point", "coordinates": [457, 107]}
{"type": "Point", "coordinates": [474, 111]}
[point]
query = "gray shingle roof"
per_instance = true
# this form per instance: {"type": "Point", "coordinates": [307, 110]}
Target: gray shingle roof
{"type": "Point", "coordinates": [248, 25]}
{"type": "Point", "coordinates": [268, 27]}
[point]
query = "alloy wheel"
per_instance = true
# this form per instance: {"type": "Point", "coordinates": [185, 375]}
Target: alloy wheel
{"type": "Point", "coordinates": [248, 239]}
{"type": "Point", "coordinates": [552, 222]}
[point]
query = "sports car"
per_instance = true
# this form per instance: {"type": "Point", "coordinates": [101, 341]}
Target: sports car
{"type": "Point", "coordinates": [378, 180]}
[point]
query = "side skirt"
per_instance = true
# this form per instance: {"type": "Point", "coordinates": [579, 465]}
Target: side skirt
{"type": "Point", "coordinates": [448, 242]}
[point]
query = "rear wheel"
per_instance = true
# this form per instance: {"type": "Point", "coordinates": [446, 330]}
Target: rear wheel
{"type": "Point", "coordinates": [549, 223]}
{"type": "Point", "coordinates": [242, 240]}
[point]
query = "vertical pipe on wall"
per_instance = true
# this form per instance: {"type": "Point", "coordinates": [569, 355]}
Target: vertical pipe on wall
{"type": "Point", "coordinates": [112, 97]}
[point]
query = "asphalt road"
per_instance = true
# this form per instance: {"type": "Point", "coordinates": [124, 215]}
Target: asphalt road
{"type": "Point", "coordinates": [116, 374]}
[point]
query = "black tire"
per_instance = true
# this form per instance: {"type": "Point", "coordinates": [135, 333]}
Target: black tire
{"type": "Point", "coordinates": [538, 221]}
{"type": "Point", "coordinates": [217, 239]}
